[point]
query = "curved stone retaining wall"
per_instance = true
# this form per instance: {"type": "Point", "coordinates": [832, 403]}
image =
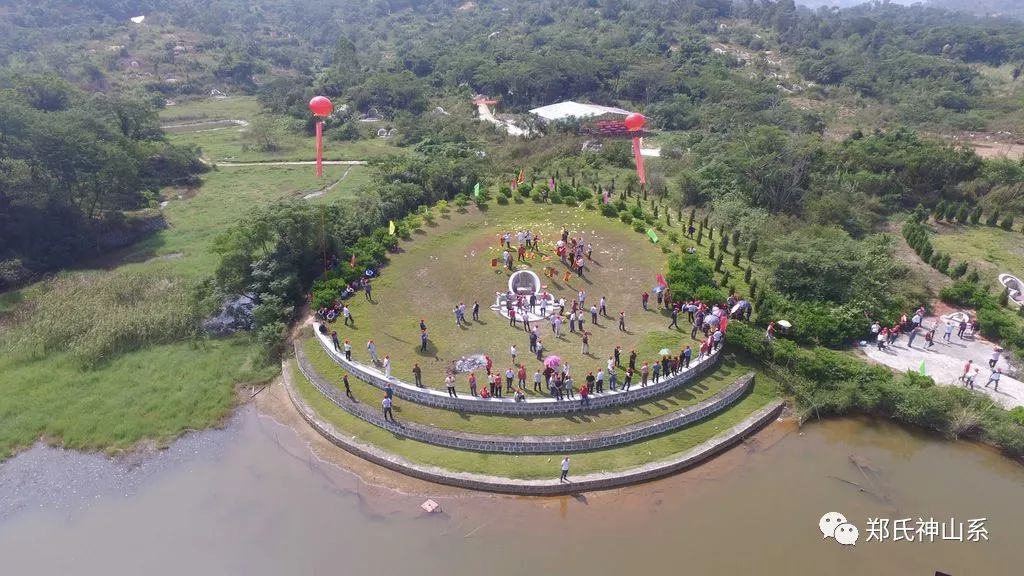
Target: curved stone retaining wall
{"type": "Point", "coordinates": [526, 444]}
{"type": "Point", "coordinates": [548, 487]}
{"type": "Point", "coordinates": [507, 406]}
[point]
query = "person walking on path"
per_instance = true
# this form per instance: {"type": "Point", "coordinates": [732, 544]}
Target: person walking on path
{"type": "Point", "coordinates": [969, 381]}
{"type": "Point", "coordinates": [996, 355]}
{"type": "Point", "coordinates": [417, 375]}
{"type": "Point", "coordinates": [565, 470]}
{"type": "Point", "coordinates": [334, 340]}
{"type": "Point", "coordinates": [423, 341]}
{"type": "Point", "coordinates": [347, 314]}
{"type": "Point", "coordinates": [386, 405]}
{"type": "Point", "coordinates": [622, 321]}
{"type": "Point", "coordinates": [910, 338]}
{"type": "Point", "coordinates": [675, 320]}
{"type": "Point", "coordinates": [929, 339]}
{"type": "Point", "coordinates": [348, 389]}
{"type": "Point", "coordinates": [962, 329]}
{"type": "Point", "coordinates": [347, 347]}
{"type": "Point", "coordinates": [644, 298]}
{"type": "Point", "coordinates": [372, 349]}
{"type": "Point", "coordinates": [967, 370]}
{"type": "Point", "coordinates": [949, 332]}
{"type": "Point", "coordinates": [540, 349]}
{"type": "Point", "coordinates": [604, 307]}
{"type": "Point", "coordinates": [994, 378]}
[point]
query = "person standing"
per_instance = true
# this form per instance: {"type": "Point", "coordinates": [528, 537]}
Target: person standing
{"type": "Point", "coordinates": [949, 332]}
{"type": "Point", "coordinates": [512, 317]}
{"type": "Point", "coordinates": [586, 342]}
{"type": "Point", "coordinates": [417, 375]}
{"type": "Point", "coordinates": [476, 311]}
{"type": "Point", "coordinates": [656, 371]}
{"type": "Point", "coordinates": [613, 380]}
{"type": "Point", "coordinates": [618, 357]}
{"type": "Point", "coordinates": [593, 314]}
{"type": "Point", "coordinates": [533, 339]}
{"type": "Point", "coordinates": [386, 405]}
{"type": "Point", "coordinates": [512, 351]}
{"type": "Point", "coordinates": [622, 321]}
{"type": "Point", "coordinates": [994, 378]}
{"type": "Point", "coordinates": [565, 470]}
{"type": "Point", "coordinates": [675, 319]}
{"type": "Point", "coordinates": [584, 396]}
{"type": "Point", "coordinates": [644, 298]}
{"type": "Point", "coordinates": [536, 381]}
{"type": "Point", "coordinates": [368, 291]}
{"type": "Point", "coordinates": [628, 380]}
{"type": "Point", "coordinates": [604, 308]}
{"type": "Point", "coordinates": [687, 354]}
{"type": "Point", "coordinates": [929, 339]}
{"type": "Point", "coordinates": [645, 371]}
{"type": "Point", "coordinates": [347, 347]}
{"type": "Point", "coordinates": [372, 349]}
{"type": "Point", "coordinates": [963, 328]}
{"type": "Point", "coordinates": [632, 360]}
{"type": "Point", "coordinates": [967, 370]}
{"type": "Point", "coordinates": [423, 325]}
{"type": "Point", "coordinates": [472, 383]}
{"type": "Point", "coordinates": [349, 320]}
{"type": "Point", "coordinates": [509, 376]}
{"type": "Point", "coordinates": [910, 338]}
{"type": "Point", "coordinates": [521, 375]}
{"type": "Point", "coordinates": [423, 341]}
{"type": "Point", "coordinates": [540, 349]}
{"type": "Point", "coordinates": [334, 340]}
{"type": "Point", "coordinates": [387, 366]}
{"type": "Point", "coordinates": [600, 381]}
{"type": "Point", "coordinates": [716, 339]}
{"type": "Point", "coordinates": [449, 382]}
{"type": "Point", "coordinates": [348, 389]}
{"type": "Point", "coordinates": [572, 322]}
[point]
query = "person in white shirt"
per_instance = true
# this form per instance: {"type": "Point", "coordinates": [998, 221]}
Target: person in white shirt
{"type": "Point", "coordinates": [565, 470]}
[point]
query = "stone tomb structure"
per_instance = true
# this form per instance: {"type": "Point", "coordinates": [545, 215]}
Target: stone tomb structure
{"type": "Point", "coordinates": [522, 285]}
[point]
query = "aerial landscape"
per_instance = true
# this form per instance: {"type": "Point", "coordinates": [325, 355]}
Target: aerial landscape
{"type": "Point", "coordinates": [453, 286]}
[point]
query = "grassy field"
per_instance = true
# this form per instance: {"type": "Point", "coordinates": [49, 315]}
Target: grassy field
{"type": "Point", "coordinates": [450, 263]}
{"type": "Point", "coordinates": [228, 143]}
{"type": "Point", "coordinates": [535, 466]}
{"type": "Point", "coordinates": [991, 250]}
{"type": "Point", "coordinates": [727, 372]}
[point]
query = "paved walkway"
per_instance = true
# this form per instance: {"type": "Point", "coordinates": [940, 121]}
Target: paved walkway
{"type": "Point", "coordinates": [944, 362]}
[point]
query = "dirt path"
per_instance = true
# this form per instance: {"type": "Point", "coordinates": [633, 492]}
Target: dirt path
{"type": "Point", "coordinates": [292, 163]}
{"type": "Point", "coordinates": [487, 116]}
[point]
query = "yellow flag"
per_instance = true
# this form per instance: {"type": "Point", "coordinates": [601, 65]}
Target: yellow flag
{"type": "Point", "coordinates": [391, 227]}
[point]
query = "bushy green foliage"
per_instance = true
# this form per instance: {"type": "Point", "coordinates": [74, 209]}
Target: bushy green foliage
{"type": "Point", "coordinates": [1007, 223]}
{"type": "Point", "coordinates": [626, 217]}
{"type": "Point", "coordinates": [686, 274]}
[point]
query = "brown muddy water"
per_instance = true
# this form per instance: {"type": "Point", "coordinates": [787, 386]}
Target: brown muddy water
{"type": "Point", "coordinates": [255, 499]}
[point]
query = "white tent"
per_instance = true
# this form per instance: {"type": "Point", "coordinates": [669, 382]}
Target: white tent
{"type": "Point", "coordinates": [570, 109]}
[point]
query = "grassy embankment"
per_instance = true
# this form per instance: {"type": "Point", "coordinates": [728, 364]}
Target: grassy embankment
{"type": "Point", "coordinates": [727, 372]}
{"type": "Point", "coordinates": [106, 358]}
{"type": "Point", "coordinates": [534, 466]}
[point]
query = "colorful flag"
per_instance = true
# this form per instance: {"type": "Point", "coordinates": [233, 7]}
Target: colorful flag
{"type": "Point", "coordinates": [652, 235]}
{"type": "Point", "coordinates": [352, 263]}
{"type": "Point", "coordinates": [660, 280]}
{"type": "Point", "coordinates": [551, 184]}
{"type": "Point", "coordinates": [604, 197]}
{"type": "Point", "coordinates": [921, 368]}
{"type": "Point", "coordinates": [476, 190]}
{"type": "Point", "coordinates": [391, 227]}
{"type": "Point", "coordinates": [521, 178]}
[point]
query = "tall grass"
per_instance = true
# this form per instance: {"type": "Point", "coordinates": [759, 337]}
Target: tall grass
{"type": "Point", "coordinates": [96, 316]}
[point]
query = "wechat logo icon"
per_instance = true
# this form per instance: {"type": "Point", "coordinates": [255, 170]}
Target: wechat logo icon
{"type": "Point", "coordinates": [834, 525]}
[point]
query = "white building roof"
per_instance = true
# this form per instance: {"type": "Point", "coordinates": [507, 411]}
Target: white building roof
{"type": "Point", "coordinates": [570, 109]}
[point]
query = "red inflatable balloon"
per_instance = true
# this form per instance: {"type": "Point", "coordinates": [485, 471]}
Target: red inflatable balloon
{"type": "Point", "coordinates": [635, 122]}
{"type": "Point", "coordinates": [321, 106]}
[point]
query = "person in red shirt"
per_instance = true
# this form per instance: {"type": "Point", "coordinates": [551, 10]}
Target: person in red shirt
{"type": "Point", "coordinates": [522, 377]}
{"type": "Point", "coordinates": [644, 298]}
{"type": "Point", "coordinates": [584, 395]}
